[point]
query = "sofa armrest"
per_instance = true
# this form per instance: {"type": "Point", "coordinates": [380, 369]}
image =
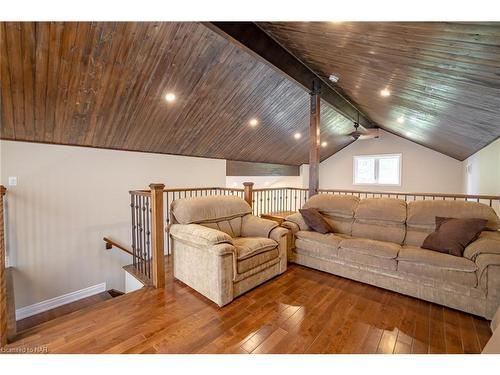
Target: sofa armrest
{"type": "Point", "coordinates": [488, 273]}
{"type": "Point", "coordinates": [254, 226]}
{"type": "Point", "coordinates": [199, 235]}
{"type": "Point", "coordinates": [277, 233]}
{"type": "Point", "coordinates": [298, 220]}
{"type": "Point", "coordinates": [488, 242]}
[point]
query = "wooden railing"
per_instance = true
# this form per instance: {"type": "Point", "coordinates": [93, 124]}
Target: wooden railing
{"type": "Point", "coordinates": [150, 215]}
{"type": "Point", "coordinates": [490, 200]}
{"type": "Point", "coordinates": [272, 200]}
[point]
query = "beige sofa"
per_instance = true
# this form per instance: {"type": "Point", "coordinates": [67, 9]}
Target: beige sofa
{"type": "Point", "coordinates": [377, 241]}
{"type": "Point", "coordinates": [221, 250]}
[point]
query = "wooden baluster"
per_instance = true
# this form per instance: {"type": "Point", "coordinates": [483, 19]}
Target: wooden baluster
{"type": "Point", "coordinates": [3, 282]}
{"type": "Point", "coordinates": [248, 186]}
{"type": "Point", "coordinates": [157, 235]}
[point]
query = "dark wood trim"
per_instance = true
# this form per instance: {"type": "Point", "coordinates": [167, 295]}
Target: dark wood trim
{"type": "Point", "coordinates": [129, 150]}
{"type": "Point", "coordinates": [260, 44]}
{"type": "Point", "coordinates": [244, 168]}
{"type": "Point", "coordinates": [314, 138]}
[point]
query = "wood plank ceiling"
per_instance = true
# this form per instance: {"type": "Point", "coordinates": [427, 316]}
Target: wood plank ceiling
{"type": "Point", "coordinates": [444, 78]}
{"type": "Point", "coordinates": [103, 85]}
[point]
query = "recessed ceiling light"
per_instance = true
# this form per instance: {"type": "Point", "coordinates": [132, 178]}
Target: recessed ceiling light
{"type": "Point", "coordinates": [401, 119]}
{"type": "Point", "coordinates": [385, 92]}
{"type": "Point", "coordinates": [170, 97]}
{"type": "Point", "coordinates": [324, 144]}
{"type": "Point", "coordinates": [297, 135]}
{"type": "Point", "coordinates": [253, 122]}
{"type": "Point", "coordinates": [333, 78]}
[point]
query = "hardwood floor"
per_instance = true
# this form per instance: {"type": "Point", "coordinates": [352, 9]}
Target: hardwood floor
{"type": "Point", "coordinates": [46, 316]}
{"type": "Point", "coordinates": [301, 311]}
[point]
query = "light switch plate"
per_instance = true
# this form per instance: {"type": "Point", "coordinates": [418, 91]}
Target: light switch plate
{"type": "Point", "coordinates": [12, 181]}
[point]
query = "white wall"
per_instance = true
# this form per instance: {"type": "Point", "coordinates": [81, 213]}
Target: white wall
{"type": "Point", "coordinates": [481, 171]}
{"type": "Point", "coordinates": [68, 198]}
{"type": "Point", "coordinates": [423, 170]}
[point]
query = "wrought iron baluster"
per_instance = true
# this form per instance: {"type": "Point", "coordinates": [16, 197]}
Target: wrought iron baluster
{"type": "Point", "coordinates": [132, 207]}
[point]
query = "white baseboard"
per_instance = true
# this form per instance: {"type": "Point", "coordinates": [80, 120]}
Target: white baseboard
{"type": "Point", "coordinates": [52, 303]}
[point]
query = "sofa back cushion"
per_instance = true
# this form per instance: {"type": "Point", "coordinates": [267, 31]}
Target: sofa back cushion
{"type": "Point", "coordinates": [223, 213]}
{"type": "Point", "coordinates": [422, 214]}
{"type": "Point", "coordinates": [337, 210]}
{"type": "Point", "coordinates": [380, 219]}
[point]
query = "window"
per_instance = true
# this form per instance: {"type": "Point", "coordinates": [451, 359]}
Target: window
{"type": "Point", "coordinates": [377, 169]}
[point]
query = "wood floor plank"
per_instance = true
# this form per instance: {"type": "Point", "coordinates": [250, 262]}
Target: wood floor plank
{"type": "Point", "coordinates": [301, 311]}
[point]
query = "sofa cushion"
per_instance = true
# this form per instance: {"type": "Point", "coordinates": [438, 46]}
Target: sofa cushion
{"type": "Point", "coordinates": [338, 210]}
{"type": "Point", "coordinates": [208, 209]}
{"type": "Point", "coordinates": [249, 246]}
{"type": "Point", "coordinates": [380, 219]}
{"type": "Point", "coordinates": [432, 258]}
{"type": "Point", "coordinates": [334, 205]}
{"type": "Point", "coordinates": [313, 219]}
{"type": "Point", "coordinates": [246, 264]}
{"type": "Point", "coordinates": [318, 245]}
{"type": "Point", "coordinates": [379, 249]}
{"type": "Point", "coordinates": [382, 209]}
{"type": "Point", "coordinates": [453, 235]}
{"type": "Point", "coordinates": [422, 216]}
{"type": "Point", "coordinates": [437, 274]}
{"type": "Point", "coordinates": [364, 259]}
{"type": "Point", "coordinates": [378, 254]}
{"type": "Point", "coordinates": [437, 266]}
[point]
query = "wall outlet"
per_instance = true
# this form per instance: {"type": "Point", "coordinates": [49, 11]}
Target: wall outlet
{"type": "Point", "coordinates": [13, 181]}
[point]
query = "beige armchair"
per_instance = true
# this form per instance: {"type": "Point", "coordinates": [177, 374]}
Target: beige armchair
{"type": "Point", "coordinates": [221, 250]}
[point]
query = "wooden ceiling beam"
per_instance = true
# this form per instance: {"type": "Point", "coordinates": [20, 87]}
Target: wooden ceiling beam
{"type": "Point", "coordinates": [260, 44]}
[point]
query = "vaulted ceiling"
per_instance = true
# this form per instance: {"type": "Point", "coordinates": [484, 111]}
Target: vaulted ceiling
{"type": "Point", "coordinates": [104, 84]}
{"type": "Point", "coordinates": [443, 78]}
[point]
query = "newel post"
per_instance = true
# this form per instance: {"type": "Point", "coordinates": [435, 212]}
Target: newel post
{"type": "Point", "coordinates": [157, 233]}
{"type": "Point", "coordinates": [248, 186]}
{"type": "Point", "coordinates": [3, 282]}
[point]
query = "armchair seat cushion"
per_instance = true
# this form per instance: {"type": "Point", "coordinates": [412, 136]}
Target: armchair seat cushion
{"type": "Point", "coordinates": [247, 264]}
{"type": "Point", "coordinates": [437, 266]}
{"type": "Point", "coordinates": [247, 247]}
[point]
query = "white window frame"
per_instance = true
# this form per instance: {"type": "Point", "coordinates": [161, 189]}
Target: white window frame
{"type": "Point", "coordinates": [377, 158]}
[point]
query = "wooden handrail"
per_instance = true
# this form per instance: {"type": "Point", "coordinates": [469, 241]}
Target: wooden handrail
{"type": "Point", "coordinates": [202, 189]}
{"type": "Point", "coordinates": [445, 195]}
{"type": "Point", "coordinates": [110, 244]}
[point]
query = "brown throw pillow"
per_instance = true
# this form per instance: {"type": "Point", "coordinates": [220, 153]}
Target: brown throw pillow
{"type": "Point", "coordinates": [315, 220]}
{"type": "Point", "coordinates": [453, 235]}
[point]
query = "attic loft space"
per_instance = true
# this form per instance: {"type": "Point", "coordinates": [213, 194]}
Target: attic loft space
{"type": "Point", "coordinates": [253, 187]}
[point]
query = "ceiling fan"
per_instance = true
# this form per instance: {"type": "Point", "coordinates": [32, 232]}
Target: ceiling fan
{"type": "Point", "coordinates": [365, 133]}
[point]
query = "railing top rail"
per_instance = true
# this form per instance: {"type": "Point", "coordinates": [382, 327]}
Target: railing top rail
{"type": "Point", "coordinates": [146, 193]}
{"type": "Point", "coordinates": [445, 195]}
{"type": "Point", "coordinates": [201, 189]}
{"type": "Point", "coordinates": [281, 188]}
